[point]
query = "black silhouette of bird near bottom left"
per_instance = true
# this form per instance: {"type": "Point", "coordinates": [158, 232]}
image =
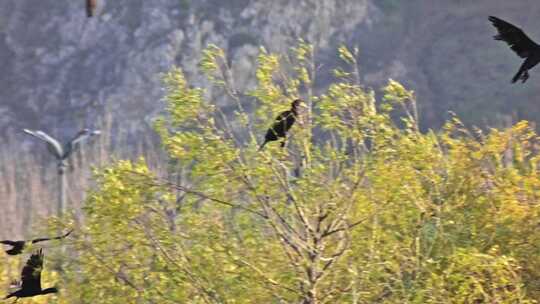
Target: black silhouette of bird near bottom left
{"type": "Point", "coordinates": [282, 124]}
{"type": "Point", "coordinates": [31, 279]}
{"type": "Point", "coordinates": [18, 246]}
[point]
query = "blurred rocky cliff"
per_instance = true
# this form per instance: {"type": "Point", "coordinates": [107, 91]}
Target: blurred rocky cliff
{"type": "Point", "coordinates": [60, 69]}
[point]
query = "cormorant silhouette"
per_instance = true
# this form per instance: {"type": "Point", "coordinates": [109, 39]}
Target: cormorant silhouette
{"type": "Point", "coordinates": [91, 7]}
{"type": "Point", "coordinates": [31, 279]}
{"type": "Point", "coordinates": [519, 43]}
{"type": "Point", "coordinates": [282, 124]}
{"type": "Point", "coordinates": [18, 246]}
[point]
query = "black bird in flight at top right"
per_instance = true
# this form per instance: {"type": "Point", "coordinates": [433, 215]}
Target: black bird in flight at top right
{"type": "Point", "coordinates": [519, 43]}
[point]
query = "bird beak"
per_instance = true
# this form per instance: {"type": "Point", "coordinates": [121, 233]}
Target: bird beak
{"type": "Point", "coordinates": [303, 104]}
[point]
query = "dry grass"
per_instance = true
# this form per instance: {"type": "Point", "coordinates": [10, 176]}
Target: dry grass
{"type": "Point", "coordinates": [29, 180]}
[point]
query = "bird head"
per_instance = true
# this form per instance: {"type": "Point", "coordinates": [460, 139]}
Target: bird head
{"type": "Point", "coordinates": [298, 103]}
{"type": "Point", "coordinates": [84, 131]}
{"type": "Point", "coordinates": [88, 132]}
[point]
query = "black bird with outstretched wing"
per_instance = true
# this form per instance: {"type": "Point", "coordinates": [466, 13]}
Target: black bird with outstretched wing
{"type": "Point", "coordinates": [520, 43]}
{"type": "Point", "coordinates": [31, 278]}
{"type": "Point", "coordinates": [18, 246]}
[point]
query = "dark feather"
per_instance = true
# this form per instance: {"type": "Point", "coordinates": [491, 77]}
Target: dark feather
{"type": "Point", "coordinates": [18, 246]}
{"type": "Point", "coordinates": [52, 238]}
{"type": "Point", "coordinates": [282, 124]}
{"type": "Point", "coordinates": [31, 273]}
{"type": "Point", "coordinates": [518, 41]}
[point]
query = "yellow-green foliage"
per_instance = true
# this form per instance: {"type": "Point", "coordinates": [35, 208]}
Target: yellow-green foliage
{"type": "Point", "coordinates": [471, 277]}
{"type": "Point", "coordinates": [370, 211]}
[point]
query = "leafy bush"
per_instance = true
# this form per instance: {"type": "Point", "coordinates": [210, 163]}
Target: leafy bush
{"type": "Point", "coordinates": [367, 211]}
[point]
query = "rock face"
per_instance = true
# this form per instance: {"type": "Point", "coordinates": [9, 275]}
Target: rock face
{"type": "Point", "coordinates": [60, 69]}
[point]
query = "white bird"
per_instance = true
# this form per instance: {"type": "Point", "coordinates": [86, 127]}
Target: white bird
{"type": "Point", "coordinates": [62, 152]}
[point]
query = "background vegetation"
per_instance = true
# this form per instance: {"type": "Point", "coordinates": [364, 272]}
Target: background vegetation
{"type": "Point", "coordinates": [361, 207]}
{"type": "Point", "coordinates": [64, 71]}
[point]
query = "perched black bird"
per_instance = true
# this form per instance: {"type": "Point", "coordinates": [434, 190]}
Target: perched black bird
{"type": "Point", "coordinates": [91, 7]}
{"type": "Point", "coordinates": [519, 43]}
{"type": "Point", "coordinates": [283, 123]}
{"type": "Point", "coordinates": [18, 246]}
{"type": "Point", "coordinates": [31, 278]}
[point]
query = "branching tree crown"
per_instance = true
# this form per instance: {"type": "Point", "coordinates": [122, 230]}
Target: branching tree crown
{"type": "Point", "coordinates": [359, 207]}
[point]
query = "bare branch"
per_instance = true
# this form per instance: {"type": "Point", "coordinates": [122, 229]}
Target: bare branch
{"type": "Point", "coordinates": [172, 185]}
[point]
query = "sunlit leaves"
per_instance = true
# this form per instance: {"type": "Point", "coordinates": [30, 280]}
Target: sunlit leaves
{"type": "Point", "coordinates": [212, 58]}
{"type": "Point", "coordinates": [372, 210]}
{"type": "Point", "coordinates": [268, 91]}
{"type": "Point", "coordinates": [472, 277]}
{"type": "Point", "coordinates": [304, 56]}
{"type": "Point", "coordinates": [184, 102]}
{"type": "Point", "coordinates": [395, 92]}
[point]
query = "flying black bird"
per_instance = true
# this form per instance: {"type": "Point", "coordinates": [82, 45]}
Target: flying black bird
{"type": "Point", "coordinates": [519, 43]}
{"type": "Point", "coordinates": [18, 246]}
{"type": "Point", "coordinates": [31, 278]}
{"type": "Point", "coordinates": [91, 7]}
{"type": "Point", "coordinates": [283, 123]}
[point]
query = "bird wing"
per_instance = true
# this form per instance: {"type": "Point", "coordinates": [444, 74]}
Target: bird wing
{"type": "Point", "coordinates": [16, 246]}
{"type": "Point", "coordinates": [53, 145]}
{"type": "Point", "coordinates": [31, 273]}
{"type": "Point", "coordinates": [286, 120]}
{"type": "Point", "coordinates": [283, 116]}
{"type": "Point", "coordinates": [83, 134]}
{"type": "Point", "coordinates": [74, 142]}
{"type": "Point", "coordinates": [52, 238]}
{"type": "Point", "coordinates": [8, 242]}
{"type": "Point", "coordinates": [279, 123]}
{"type": "Point", "coordinates": [514, 37]}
